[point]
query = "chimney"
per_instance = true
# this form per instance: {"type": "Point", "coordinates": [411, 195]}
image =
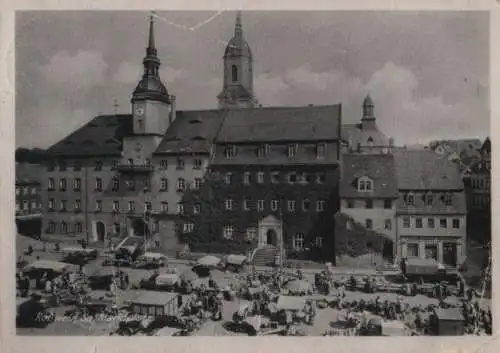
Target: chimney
{"type": "Point", "coordinates": [172, 113]}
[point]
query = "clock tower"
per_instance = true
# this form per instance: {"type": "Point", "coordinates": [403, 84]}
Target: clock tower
{"type": "Point", "coordinates": [151, 103]}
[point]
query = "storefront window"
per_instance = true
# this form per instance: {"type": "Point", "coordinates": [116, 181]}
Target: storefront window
{"type": "Point", "coordinates": [431, 251]}
{"type": "Point", "coordinates": [412, 250]}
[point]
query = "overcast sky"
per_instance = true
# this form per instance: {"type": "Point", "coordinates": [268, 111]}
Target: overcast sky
{"type": "Point", "coordinates": [427, 72]}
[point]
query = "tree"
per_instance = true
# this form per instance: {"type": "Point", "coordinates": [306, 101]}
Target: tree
{"type": "Point", "coordinates": [32, 156]}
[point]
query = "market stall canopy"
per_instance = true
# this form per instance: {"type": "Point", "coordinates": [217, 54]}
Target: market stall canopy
{"type": "Point", "coordinates": [422, 266]}
{"type": "Point", "coordinates": [166, 279]}
{"type": "Point", "coordinates": [297, 286]}
{"type": "Point", "coordinates": [393, 328]}
{"type": "Point", "coordinates": [167, 331]}
{"type": "Point", "coordinates": [152, 256]}
{"type": "Point", "coordinates": [145, 297]}
{"type": "Point", "coordinates": [208, 261]}
{"type": "Point", "coordinates": [48, 265]}
{"type": "Point", "coordinates": [103, 272]}
{"type": "Point", "coordinates": [189, 275]}
{"type": "Point", "coordinates": [450, 314]}
{"type": "Point", "coordinates": [375, 322]}
{"type": "Point", "coordinates": [236, 259]}
{"type": "Point", "coordinates": [287, 302]}
{"type": "Point", "coordinates": [256, 322]}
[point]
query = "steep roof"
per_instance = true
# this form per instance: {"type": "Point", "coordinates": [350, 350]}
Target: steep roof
{"type": "Point", "coordinates": [379, 168]}
{"type": "Point", "coordinates": [354, 134]}
{"type": "Point", "coordinates": [438, 207]}
{"type": "Point", "coordinates": [28, 174]}
{"type": "Point", "coordinates": [281, 124]}
{"type": "Point", "coordinates": [459, 146]}
{"type": "Point", "coordinates": [425, 170]}
{"type": "Point", "coordinates": [102, 136]}
{"type": "Point", "coordinates": [191, 132]}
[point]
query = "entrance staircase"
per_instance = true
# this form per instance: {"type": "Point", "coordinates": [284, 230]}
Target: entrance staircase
{"type": "Point", "coordinates": [266, 256]}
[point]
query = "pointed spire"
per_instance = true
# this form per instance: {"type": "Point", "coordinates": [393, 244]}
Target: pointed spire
{"type": "Point", "coordinates": [238, 30]}
{"type": "Point", "coordinates": [151, 50]}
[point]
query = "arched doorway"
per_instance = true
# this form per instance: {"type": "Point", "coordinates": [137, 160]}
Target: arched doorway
{"type": "Point", "coordinates": [140, 228]}
{"type": "Point", "coordinates": [100, 230]}
{"type": "Point", "coordinates": [271, 237]}
{"type": "Point", "coordinates": [388, 250]}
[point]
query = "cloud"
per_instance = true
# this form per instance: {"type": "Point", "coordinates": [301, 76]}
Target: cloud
{"type": "Point", "coordinates": [83, 70]}
{"type": "Point", "coordinates": [401, 112]}
{"type": "Point", "coordinates": [128, 72]}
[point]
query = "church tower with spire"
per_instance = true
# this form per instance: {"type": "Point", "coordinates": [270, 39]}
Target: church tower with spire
{"type": "Point", "coordinates": [151, 103]}
{"type": "Point", "coordinates": [237, 90]}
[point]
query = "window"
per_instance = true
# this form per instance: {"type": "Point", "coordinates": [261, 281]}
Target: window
{"type": "Point", "coordinates": [298, 241]}
{"type": "Point", "coordinates": [77, 184]}
{"type": "Point", "coordinates": [18, 206]}
{"type": "Point", "coordinates": [63, 205]}
{"type": "Point", "coordinates": [230, 152]}
{"type": "Point", "coordinates": [431, 251]}
{"type": "Point", "coordinates": [131, 206]}
{"type": "Point", "coordinates": [228, 231]}
{"type": "Point", "coordinates": [428, 200]}
{"type": "Point", "coordinates": [320, 205]}
{"type": "Point", "coordinates": [130, 162]}
{"type": "Point", "coordinates": [348, 225]}
{"type": "Point", "coordinates": [260, 205]}
{"type": "Point", "coordinates": [147, 161]}
{"type": "Point", "coordinates": [156, 228]}
{"type": "Point", "coordinates": [365, 184]}
{"type": "Point", "coordinates": [196, 208]}
{"type": "Point", "coordinates": [319, 242]}
{"type": "Point", "coordinates": [163, 184]}
{"type": "Point", "coordinates": [164, 206]}
{"type": "Point", "coordinates": [98, 184]}
{"type": "Point", "coordinates": [246, 178]}
{"type": "Point", "coordinates": [164, 164]}
{"type": "Point", "coordinates": [262, 151]}
{"type": "Point", "coordinates": [387, 204]}
{"type": "Point", "coordinates": [198, 183]}
{"type": "Point", "coordinates": [251, 233]}
{"type": "Point", "coordinates": [412, 250]}
{"type": "Point", "coordinates": [410, 199]}
{"type": "Point", "coordinates": [115, 184]}
{"type": "Point", "coordinates": [131, 184]}
{"type": "Point", "coordinates": [447, 199]}
{"type": "Point", "coordinates": [181, 184]}
{"type": "Point", "coordinates": [52, 184]}
{"type": "Point", "coordinates": [78, 227]}
{"type": "Point", "coordinates": [188, 227]}
{"type": "Point", "coordinates": [98, 205]}
{"type": "Point", "coordinates": [197, 163]}
{"type": "Point", "coordinates": [18, 191]}
{"type": "Point", "coordinates": [228, 204]}
{"type": "Point", "coordinates": [418, 222]}
{"type": "Point", "coordinates": [275, 177]}
{"type": "Point", "coordinates": [246, 205]}
{"type": "Point", "coordinates": [306, 204]}
{"type": "Point", "coordinates": [406, 222]}
{"type": "Point", "coordinates": [116, 206]}
{"type": "Point", "coordinates": [62, 184]}
{"type": "Point", "coordinates": [78, 205]}
{"type": "Point", "coordinates": [292, 150]}
{"type": "Point", "coordinates": [305, 178]}
{"type": "Point", "coordinates": [292, 178]}
{"type": "Point", "coordinates": [115, 164]}
{"type": "Point", "coordinates": [98, 165]}
{"type": "Point", "coordinates": [443, 223]}
{"type": "Point", "coordinates": [64, 227]}
{"type": "Point", "coordinates": [33, 191]}
{"type": "Point", "coordinates": [234, 73]}
{"type": "Point", "coordinates": [26, 190]}
{"type": "Point", "coordinates": [260, 177]}
{"type": "Point", "coordinates": [33, 204]}
{"type": "Point", "coordinates": [368, 223]}
{"type": "Point", "coordinates": [320, 178]}
{"type": "Point", "coordinates": [350, 203]}
{"type": "Point", "coordinates": [62, 166]}
{"type": "Point", "coordinates": [180, 164]}
{"type": "Point", "coordinates": [368, 203]}
{"type": "Point", "coordinates": [388, 224]}
{"type": "Point", "coordinates": [430, 222]}
{"type": "Point", "coordinates": [52, 227]}
{"type": "Point", "coordinates": [147, 184]}
{"type": "Point", "coordinates": [229, 177]}
{"type": "Point", "coordinates": [274, 205]}
{"type": "Point", "coordinates": [147, 206]}
{"type": "Point", "coordinates": [320, 150]}
{"type": "Point", "coordinates": [291, 205]}
{"type": "Point", "coordinates": [25, 204]}
{"type": "Point", "coordinates": [456, 223]}
{"type": "Point", "coordinates": [51, 204]}
{"type": "Point", "coordinates": [180, 208]}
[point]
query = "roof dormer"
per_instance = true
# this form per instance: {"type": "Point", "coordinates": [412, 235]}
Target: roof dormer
{"type": "Point", "coordinates": [365, 184]}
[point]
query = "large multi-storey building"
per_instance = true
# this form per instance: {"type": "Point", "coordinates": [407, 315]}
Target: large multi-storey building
{"type": "Point", "coordinates": [431, 208]}
{"type": "Point", "coordinates": [28, 195]}
{"type": "Point", "coordinates": [369, 192]}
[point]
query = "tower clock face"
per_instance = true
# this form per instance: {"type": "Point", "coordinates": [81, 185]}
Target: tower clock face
{"type": "Point", "coordinates": [139, 110]}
